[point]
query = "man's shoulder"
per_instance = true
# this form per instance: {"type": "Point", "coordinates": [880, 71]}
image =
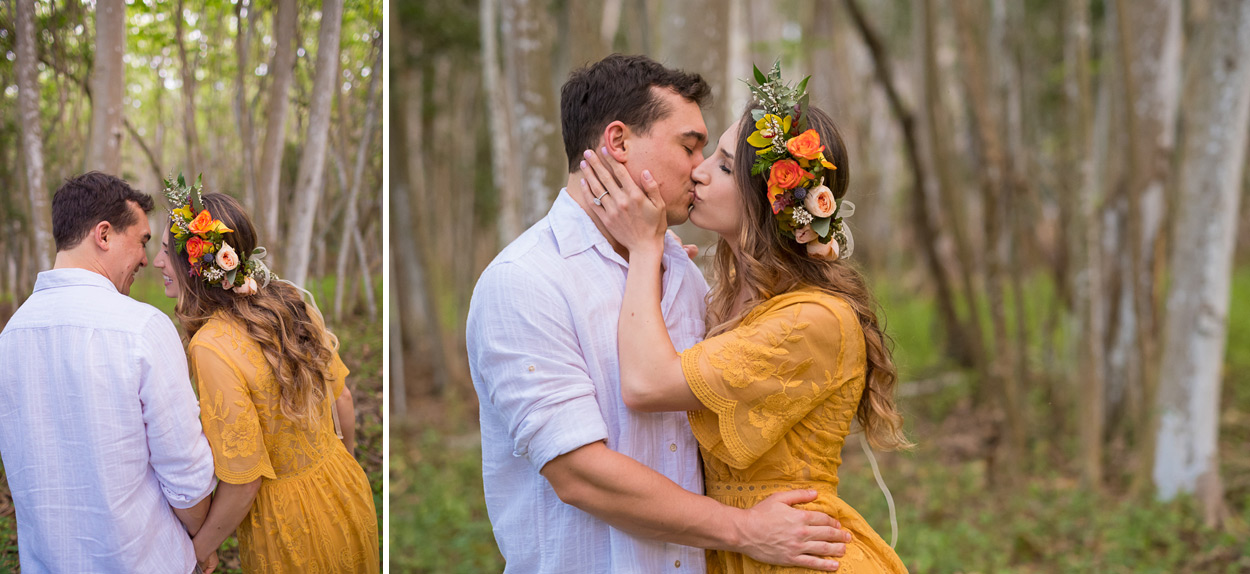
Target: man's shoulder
{"type": "Point", "coordinates": [103, 311]}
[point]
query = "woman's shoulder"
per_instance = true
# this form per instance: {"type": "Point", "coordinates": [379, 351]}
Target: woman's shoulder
{"type": "Point", "coordinates": [220, 332]}
{"type": "Point", "coordinates": [809, 303]}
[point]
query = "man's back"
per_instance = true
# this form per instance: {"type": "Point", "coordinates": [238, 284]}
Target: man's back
{"type": "Point", "coordinates": [99, 430]}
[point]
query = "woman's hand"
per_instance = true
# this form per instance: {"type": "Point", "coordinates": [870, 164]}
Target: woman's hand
{"type": "Point", "coordinates": [633, 216]}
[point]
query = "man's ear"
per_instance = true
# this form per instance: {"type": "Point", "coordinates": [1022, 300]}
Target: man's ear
{"type": "Point", "coordinates": [616, 138]}
{"type": "Point", "coordinates": [101, 234]}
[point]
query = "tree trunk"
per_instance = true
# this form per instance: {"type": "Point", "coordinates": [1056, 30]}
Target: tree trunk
{"type": "Point", "coordinates": [506, 165]}
{"type": "Point", "coordinates": [190, 134]}
{"type": "Point", "coordinates": [1213, 145]}
{"type": "Point", "coordinates": [351, 219]}
{"type": "Point", "coordinates": [40, 215]}
{"type": "Point", "coordinates": [308, 184]}
{"type": "Point", "coordinates": [986, 117]}
{"type": "Point", "coordinates": [243, 113]}
{"type": "Point", "coordinates": [925, 230]}
{"type": "Point", "coordinates": [527, 44]}
{"type": "Point", "coordinates": [283, 71]}
{"type": "Point", "coordinates": [108, 83]}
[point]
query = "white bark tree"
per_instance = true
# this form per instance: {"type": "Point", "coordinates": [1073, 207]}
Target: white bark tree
{"type": "Point", "coordinates": [526, 40]}
{"type": "Point", "coordinates": [1216, 105]}
{"type": "Point", "coordinates": [308, 184]}
{"type": "Point", "coordinates": [282, 68]}
{"type": "Point", "coordinates": [108, 82]}
{"type": "Point", "coordinates": [40, 222]}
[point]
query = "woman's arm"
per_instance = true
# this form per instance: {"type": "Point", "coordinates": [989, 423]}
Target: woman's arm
{"type": "Point", "coordinates": [651, 375]}
{"type": "Point", "coordinates": [231, 504]}
{"type": "Point", "coordinates": [347, 419]}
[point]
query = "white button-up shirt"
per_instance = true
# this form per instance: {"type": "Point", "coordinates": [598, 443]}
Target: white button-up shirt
{"type": "Point", "coordinates": [99, 430]}
{"type": "Point", "coordinates": [542, 352]}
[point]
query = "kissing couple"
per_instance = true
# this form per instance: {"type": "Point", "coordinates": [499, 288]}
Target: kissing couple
{"type": "Point", "coordinates": [633, 417]}
{"type": "Point", "coordinates": [114, 463]}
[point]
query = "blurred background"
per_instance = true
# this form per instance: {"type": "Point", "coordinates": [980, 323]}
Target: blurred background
{"type": "Point", "coordinates": [275, 102]}
{"type": "Point", "coordinates": [1049, 210]}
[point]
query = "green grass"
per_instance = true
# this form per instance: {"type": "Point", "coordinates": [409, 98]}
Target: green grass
{"type": "Point", "coordinates": [360, 346]}
{"type": "Point", "coordinates": [951, 518]}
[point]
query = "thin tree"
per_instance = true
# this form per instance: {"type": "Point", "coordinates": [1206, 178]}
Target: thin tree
{"type": "Point", "coordinates": [282, 70]}
{"type": "Point", "coordinates": [351, 217]}
{"type": "Point", "coordinates": [108, 82]}
{"type": "Point", "coordinates": [308, 183]}
{"type": "Point", "coordinates": [1216, 105]}
{"type": "Point", "coordinates": [40, 220]}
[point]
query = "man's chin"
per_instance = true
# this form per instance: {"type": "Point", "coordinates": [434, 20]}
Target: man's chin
{"type": "Point", "coordinates": [677, 216]}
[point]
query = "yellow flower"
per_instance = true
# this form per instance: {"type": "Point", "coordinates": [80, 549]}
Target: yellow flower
{"type": "Point", "coordinates": [826, 163]}
{"type": "Point", "coordinates": [184, 212]}
{"type": "Point", "coordinates": [767, 129]}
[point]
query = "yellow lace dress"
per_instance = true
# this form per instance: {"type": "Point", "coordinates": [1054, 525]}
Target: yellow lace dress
{"type": "Point", "coordinates": [314, 512]}
{"type": "Point", "coordinates": [781, 391]}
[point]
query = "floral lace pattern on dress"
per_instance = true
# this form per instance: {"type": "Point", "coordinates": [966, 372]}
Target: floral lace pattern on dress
{"type": "Point", "coordinates": [314, 511]}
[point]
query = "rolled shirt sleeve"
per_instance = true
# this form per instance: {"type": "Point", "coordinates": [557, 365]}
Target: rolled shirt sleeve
{"type": "Point", "coordinates": [180, 453]}
{"type": "Point", "coordinates": [531, 366]}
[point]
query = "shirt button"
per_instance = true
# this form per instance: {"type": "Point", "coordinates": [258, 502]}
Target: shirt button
{"type": "Point", "coordinates": [673, 447]}
{"type": "Point", "coordinates": [677, 564]}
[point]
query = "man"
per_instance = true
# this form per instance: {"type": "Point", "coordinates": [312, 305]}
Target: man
{"type": "Point", "coordinates": [99, 429]}
{"type": "Point", "coordinates": [576, 482]}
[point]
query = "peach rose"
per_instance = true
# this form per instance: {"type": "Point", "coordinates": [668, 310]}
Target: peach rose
{"type": "Point", "coordinates": [820, 202]}
{"type": "Point", "coordinates": [826, 251]}
{"type": "Point", "coordinates": [248, 287]}
{"type": "Point", "coordinates": [202, 223]}
{"type": "Point", "coordinates": [195, 249]}
{"type": "Point", "coordinates": [227, 259]}
{"type": "Point", "coordinates": [806, 145]}
{"type": "Point", "coordinates": [805, 234]}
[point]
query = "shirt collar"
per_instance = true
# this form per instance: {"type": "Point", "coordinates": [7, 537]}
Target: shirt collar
{"type": "Point", "coordinates": [72, 277]}
{"type": "Point", "coordinates": [575, 232]}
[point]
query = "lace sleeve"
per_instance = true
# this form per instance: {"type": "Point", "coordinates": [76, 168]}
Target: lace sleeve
{"type": "Point", "coordinates": [230, 420]}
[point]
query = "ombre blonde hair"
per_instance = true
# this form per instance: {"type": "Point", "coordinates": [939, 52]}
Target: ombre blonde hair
{"type": "Point", "coordinates": [769, 263]}
{"type": "Point", "coordinates": [290, 332]}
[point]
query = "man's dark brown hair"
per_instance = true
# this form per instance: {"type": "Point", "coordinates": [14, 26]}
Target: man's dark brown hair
{"type": "Point", "coordinates": [618, 87]}
{"type": "Point", "coordinates": [85, 200]}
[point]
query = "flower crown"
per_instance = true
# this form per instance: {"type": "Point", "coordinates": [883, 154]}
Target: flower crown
{"type": "Point", "coordinates": [203, 240]}
{"type": "Point", "coordinates": [793, 158]}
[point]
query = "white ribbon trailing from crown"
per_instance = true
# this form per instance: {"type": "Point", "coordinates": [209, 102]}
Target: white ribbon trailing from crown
{"type": "Point", "coordinates": [842, 234]}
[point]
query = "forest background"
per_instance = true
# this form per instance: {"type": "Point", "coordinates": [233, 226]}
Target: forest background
{"type": "Point", "coordinates": [275, 102]}
{"type": "Point", "coordinates": [1051, 212]}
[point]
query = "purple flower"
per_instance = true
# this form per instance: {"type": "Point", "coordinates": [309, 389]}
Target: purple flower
{"type": "Point", "coordinates": [800, 193]}
{"type": "Point", "coordinates": [208, 258]}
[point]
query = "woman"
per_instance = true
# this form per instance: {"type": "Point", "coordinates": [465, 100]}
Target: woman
{"type": "Point", "coordinates": [794, 352]}
{"type": "Point", "coordinates": [272, 390]}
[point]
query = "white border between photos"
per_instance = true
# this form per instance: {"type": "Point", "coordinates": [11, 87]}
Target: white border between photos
{"type": "Point", "coordinates": [386, 286]}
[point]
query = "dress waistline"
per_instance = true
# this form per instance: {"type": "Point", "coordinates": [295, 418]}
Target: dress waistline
{"type": "Point", "coordinates": [766, 487]}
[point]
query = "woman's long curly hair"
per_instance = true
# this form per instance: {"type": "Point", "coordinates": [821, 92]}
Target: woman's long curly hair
{"type": "Point", "coordinates": [291, 333]}
{"type": "Point", "coordinates": [769, 263]}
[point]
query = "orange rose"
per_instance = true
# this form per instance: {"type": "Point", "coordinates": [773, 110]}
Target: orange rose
{"type": "Point", "coordinates": [806, 145]}
{"type": "Point", "coordinates": [202, 223]}
{"type": "Point", "coordinates": [784, 174]}
{"type": "Point", "coordinates": [195, 248]}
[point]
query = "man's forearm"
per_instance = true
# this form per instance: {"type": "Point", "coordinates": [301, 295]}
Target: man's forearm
{"type": "Point", "coordinates": [634, 498]}
{"type": "Point", "coordinates": [193, 518]}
